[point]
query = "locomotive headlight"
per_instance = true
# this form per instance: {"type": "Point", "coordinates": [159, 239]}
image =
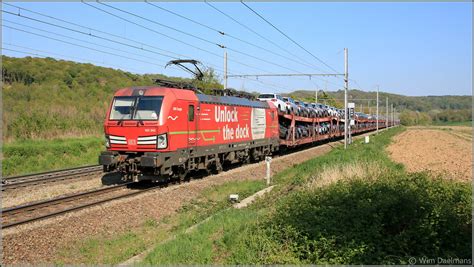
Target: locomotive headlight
{"type": "Point", "coordinates": [162, 141]}
{"type": "Point", "coordinates": [107, 141]}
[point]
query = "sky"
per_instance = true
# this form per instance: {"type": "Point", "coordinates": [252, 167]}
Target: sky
{"type": "Point", "coordinates": [405, 48]}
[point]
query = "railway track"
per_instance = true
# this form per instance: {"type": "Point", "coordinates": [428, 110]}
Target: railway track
{"type": "Point", "coordinates": [14, 182]}
{"type": "Point", "coordinates": [53, 207]}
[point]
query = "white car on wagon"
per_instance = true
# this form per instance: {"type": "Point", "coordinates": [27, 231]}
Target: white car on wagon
{"type": "Point", "coordinates": [276, 99]}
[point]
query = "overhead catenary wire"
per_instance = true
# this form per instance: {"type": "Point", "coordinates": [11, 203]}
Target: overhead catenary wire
{"type": "Point", "coordinates": [59, 55]}
{"type": "Point", "coordinates": [264, 38]}
{"type": "Point", "coordinates": [288, 37]}
{"type": "Point", "coordinates": [82, 46]}
{"type": "Point", "coordinates": [86, 33]}
{"type": "Point", "coordinates": [84, 41]}
{"type": "Point", "coordinates": [175, 39]}
{"type": "Point", "coordinates": [140, 25]}
{"type": "Point", "coordinates": [258, 34]}
{"type": "Point", "coordinates": [89, 33]}
{"type": "Point", "coordinates": [94, 61]}
{"type": "Point", "coordinates": [192, 35]}
{"type": "Point", "coordinates": [96, 30]}
{"type": "Point", "coordinates": [227, 34]}
{"type": "Point", "coordinates": [101, 51]}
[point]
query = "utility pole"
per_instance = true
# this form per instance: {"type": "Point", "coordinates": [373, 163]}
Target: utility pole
{"type": "Point", "coordinates": [225, 69]}
{"type": "Point", "coordinates": [377, 116]}
{"type": "Point", "coordinates": [386, 113]}
{"type": "Point", "coordinates": [346, 86]}
{"type": "Point", "coordinates": [361, 108]}
{"type": "Point", "coordinates": [392, 116]}
{"type": "Point", "coordinates": [316, 95]}
{"type": "Point", "coordinates": [368, 107]}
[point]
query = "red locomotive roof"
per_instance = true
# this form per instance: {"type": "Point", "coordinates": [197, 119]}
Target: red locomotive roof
{"type": "Point", "coordinates": [156, 91]}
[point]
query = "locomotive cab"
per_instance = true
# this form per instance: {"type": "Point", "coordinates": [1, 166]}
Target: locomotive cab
{"type": "Point", "coordinates": [133, 123]}
{"type": "Point", "coordinates": [137, 129]}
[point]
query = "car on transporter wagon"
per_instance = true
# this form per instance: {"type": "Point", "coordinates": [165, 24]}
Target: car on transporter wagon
{"type": "Point", "coordinates": [292, 108]}
{"type": "Point", "coordinates": [276, 99]}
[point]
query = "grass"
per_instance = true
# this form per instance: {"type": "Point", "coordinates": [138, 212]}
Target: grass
{"type": "Point", "coordinates": [453, 123]}
{"type": "Point", "coordinates": [115, 249]}
{"type": "Point", "coordinates": [346, 207]}
{"type": "Point", "coordinates": [25, 157]}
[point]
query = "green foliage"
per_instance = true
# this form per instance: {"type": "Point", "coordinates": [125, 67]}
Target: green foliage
{"type": "Point", "coordinates": [383, 222]}
{"type": "Point", "coordinates": [210, 81]}
{"type": "Point", "coordinates": [46, 98]}
{"type": "Point", "coordinates": [408, 118]}
{"type": "Point", "coordinates": [401, 102]}
{"type": "Point", "coordinates": [47, 155]}
{"type": "Point", "coordinates": [323, 97]}
{"type": "Point", "coordinates": [428, 108]}
{"type": "Point", "coordinates": [450, 115]}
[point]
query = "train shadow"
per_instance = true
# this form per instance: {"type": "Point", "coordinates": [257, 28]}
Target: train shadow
{"type": "Point", "coordinates": [112, 178]}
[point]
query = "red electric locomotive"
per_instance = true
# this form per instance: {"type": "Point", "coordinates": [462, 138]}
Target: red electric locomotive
{"type": "Point", "coordinates": [160, 132]}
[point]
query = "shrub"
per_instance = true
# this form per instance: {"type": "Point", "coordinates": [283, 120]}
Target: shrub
{"type": "Point", "coordinates": [383, 221]}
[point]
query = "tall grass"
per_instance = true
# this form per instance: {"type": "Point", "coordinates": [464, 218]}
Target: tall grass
{"type": "Point", "coordinates": [45, 155]}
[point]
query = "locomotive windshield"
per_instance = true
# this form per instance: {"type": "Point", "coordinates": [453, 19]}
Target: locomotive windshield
{"type": "Point", "coordinates": [136, 108]}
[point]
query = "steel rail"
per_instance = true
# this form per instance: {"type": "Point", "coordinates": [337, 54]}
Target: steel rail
{"type": "Point", "coordinates": [10, 213]}
{"type": "Point", "coordinates": [14, 182]}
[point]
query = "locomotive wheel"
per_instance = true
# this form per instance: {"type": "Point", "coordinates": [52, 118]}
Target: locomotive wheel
{"type": "Point", "coordinates": [216, 167]}
{"type": "Point", "coordinates": [183, 176]}
{"type": "Point", "coordinates": [180, 175]}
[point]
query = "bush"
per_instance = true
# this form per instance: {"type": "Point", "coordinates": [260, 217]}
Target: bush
{"type": "Point", "coordinates": [382, 221]}
{"type": "Point", "coordinates": [408, 117]}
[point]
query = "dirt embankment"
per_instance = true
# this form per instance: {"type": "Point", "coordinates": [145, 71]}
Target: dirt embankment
{"type": "Point", "coordinates": [40, 242]}
{"type": "Point", "coordinates": [446, 151]}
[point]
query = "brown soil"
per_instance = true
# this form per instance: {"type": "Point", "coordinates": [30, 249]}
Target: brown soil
{"type": "Point", "coordinates": [40, 242]}
{"type": "Point", "coordinates": [446, 151]}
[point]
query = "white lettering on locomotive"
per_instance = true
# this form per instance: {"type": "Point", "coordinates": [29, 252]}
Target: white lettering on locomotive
{"type": "Point", "coordinates": [225, 115]}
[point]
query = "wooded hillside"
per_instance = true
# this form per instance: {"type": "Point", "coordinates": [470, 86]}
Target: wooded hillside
{"type": "Point", "coordinates": [414, 109]}
{"type": "Point", "coordinates": [46, 98]}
